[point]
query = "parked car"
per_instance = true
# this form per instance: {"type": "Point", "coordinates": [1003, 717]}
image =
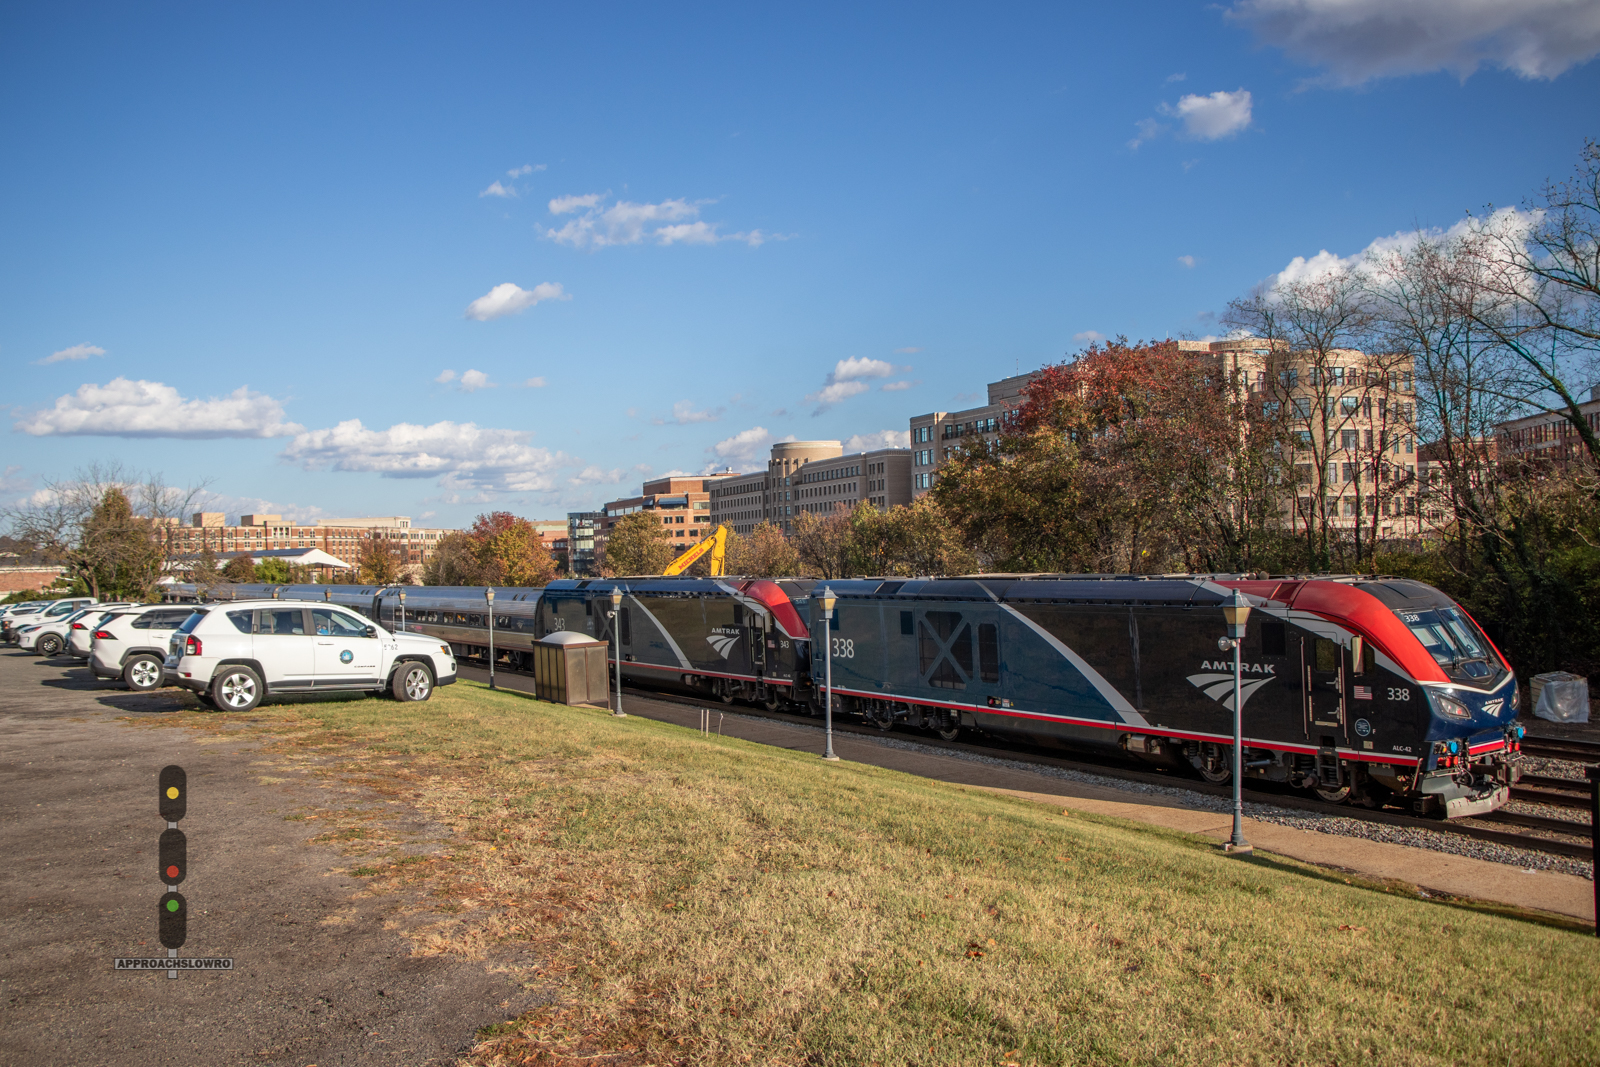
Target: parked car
{"type": "Point", "coordinates": [234, 655]}
{"type": "Point", "coordinates": [80, 635]}
{"type": "Point", "coordinates": [48, 612]}
{"type": "Point", "coordinates": [132, 644]}
{"type": "Point", "coordinates": [49, 638]}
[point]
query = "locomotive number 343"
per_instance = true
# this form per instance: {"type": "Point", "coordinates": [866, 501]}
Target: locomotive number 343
{"type": "Point", "coordinates": [844, 648]}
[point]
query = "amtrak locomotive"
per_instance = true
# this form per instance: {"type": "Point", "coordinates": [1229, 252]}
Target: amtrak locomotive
{"type": "Point", "coordinates": [1366, 690]}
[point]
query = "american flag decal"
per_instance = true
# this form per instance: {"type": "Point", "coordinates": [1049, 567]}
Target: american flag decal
{"type": "Point", "coordinates": [1363, 692]}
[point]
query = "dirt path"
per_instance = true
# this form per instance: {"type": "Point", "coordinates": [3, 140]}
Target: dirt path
{"type": "Point", "coordinates": [322, 971]}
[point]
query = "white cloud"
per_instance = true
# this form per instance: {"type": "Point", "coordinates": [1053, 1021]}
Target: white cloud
{"type": "Point", "coordinates": [895, 387]}
{"type": "Point", "coordinates": [1089, 336]}
{"type": "Point", "coordinates": [531, 383]}
{"type": "Point", "coordinates": [747, 446]}
{"type": "Point", "coordinates": [598, 476]}
{"type": "Point", "coordinates": [1187, 261]}
{"type": "Point", "coordinates": [1304, 268]}
{"type": "Point", "coordinates": [1211, 118]}
{"type": "Point", "coordinates": [462, 456]}
{"type": "Point", "coordinates": [1149, 130]}
{"type": "Point", "coordinates": [849, 369]}
{"type": "Point", "coordinates": [526, 168]}
{"type": "Point", "coordinates": [1176, 78]}
{"type": "Point", "coordinates": [473, 380]}
{"type": "Point", "coordinates": [625, 223]}
{"type": "Point", "coordinates": [683, 413]}
{"type": "Point", "coordinates": [907, 351]}
{"type": "Point", "coordinates": [844, 381]}
{"type": "Point", "coordinates": [445, 377]}
{"type": "Point", "coordinates": [1358, 40]}
{"type": "Point", "coordinates": [123, 408]}
{"type": "Point", "coordinates": [496, 189]}
{"type": "Point", "coordinates": [566, 205]}
{"type": "Point", "coordinates": [73, 353]}
{"type": "Point", "coordinates": [511, 299]}
{"type": "Point", "coordinates": [867, 442]}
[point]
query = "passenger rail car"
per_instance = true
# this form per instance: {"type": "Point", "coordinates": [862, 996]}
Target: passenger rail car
{"type": "Point", "coordinates": [1359, 689]}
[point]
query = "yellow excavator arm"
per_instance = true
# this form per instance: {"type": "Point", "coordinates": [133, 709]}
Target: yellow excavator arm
{"type": "Point", "coordinates": [715, 542]}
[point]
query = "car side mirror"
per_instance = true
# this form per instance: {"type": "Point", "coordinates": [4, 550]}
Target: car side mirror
{"type": "Point", "coordinates": [372, 631]}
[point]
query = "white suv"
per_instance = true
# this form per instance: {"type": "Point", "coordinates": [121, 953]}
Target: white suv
{"type": "Point", "coordinates": [80, 634]}
{"type": "Point", "coordinates": [49, 638]}
{"type": "Point", "coordinates": [132, 644]}
{"type": "Point", "coordinates": [49, 612]}
{"type": "Point", "coordinates": [233, 655]}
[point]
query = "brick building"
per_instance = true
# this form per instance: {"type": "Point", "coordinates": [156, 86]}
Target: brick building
{"type": "Point", "coordinates": [937, 434]}
{"type": "Point", "coordinates": [340, 538]}
{"type": "Point", "coordinates": [810, 476]}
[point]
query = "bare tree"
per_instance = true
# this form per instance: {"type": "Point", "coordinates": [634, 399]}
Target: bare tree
{"type": "Point", "coordinates": [1544, 268]}
{"type": "Point", "coordinates": [109, 526]}
{"type": "Point", "coordinates": [1323, 324]}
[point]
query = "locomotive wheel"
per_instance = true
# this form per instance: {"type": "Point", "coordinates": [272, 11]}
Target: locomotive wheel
{"type": "Point", "coordinates": [884, 721]}
{"type": "Point", "coordinates": [1222, 776]}
{"type": "Point", "coordinates": [1333, 796]}
{"type": "Point", "coordinates": [772, 701]}
{"type": "Point", "coordinates": [725, 691]}
{"type": "Point", "coordinates": [949, 729]}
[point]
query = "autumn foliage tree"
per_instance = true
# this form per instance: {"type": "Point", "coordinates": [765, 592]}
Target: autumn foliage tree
{"type": "Point", "coordinates": [764, 552]}
{"type": "Point", "coordinates": [637, 544]}
{"type": "Point", "coordinates": [1132, 458]}
{"type": "Point", "coordinates": [499, 548]}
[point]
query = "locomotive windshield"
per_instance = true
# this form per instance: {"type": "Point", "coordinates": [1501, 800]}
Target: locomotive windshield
{"type": "Point", "coordinates": [1451, 638]}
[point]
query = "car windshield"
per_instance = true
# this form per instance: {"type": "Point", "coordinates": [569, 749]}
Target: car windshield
{"type": "Point", "coordinates": [1448, 634]}
{"type": "Point", "coordinates": [60, 609]}
{"type": "Point", "coordinates": [191, 622]}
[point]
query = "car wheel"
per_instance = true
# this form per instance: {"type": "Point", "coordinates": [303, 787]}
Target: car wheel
{"type": "Point", "coordinates": [236, 688]}
{"type": "Point", "coordinates": [412, 682]}
{"type": "Point", "coordinates": [49, 645]}
{"type": "Point", "coordinates": [142, 674]}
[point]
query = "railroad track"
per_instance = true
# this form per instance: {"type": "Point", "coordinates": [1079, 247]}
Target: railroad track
{"type": "Point", "coordinates": [1562, 748]}
{"type": "Point", "coordinates": [1557, 792]}
{"type": "Point", "coordinates": [1504, 828]}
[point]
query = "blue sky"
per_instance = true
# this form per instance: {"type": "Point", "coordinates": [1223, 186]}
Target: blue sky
{"type": "Point", "coordinates": [428, 260]}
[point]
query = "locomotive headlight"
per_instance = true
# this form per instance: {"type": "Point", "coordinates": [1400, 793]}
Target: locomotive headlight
{"type": "Point", "coordinates": [1450, 708]}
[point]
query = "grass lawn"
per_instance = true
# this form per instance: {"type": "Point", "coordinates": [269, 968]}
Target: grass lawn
{"type": "Point", "coordinates": [710, 901]}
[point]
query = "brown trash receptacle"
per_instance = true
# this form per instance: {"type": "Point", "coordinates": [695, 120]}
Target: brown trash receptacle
{"type": "Point", "coordinates": [571, 668]}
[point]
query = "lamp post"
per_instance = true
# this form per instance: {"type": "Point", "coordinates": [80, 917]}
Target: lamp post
{"type": "Point", "coordinates": [828, 601]}
{"type": "Point", "coordinates": [616, 629]}
{"type": "Point", "coordinates": [1237, 613]}
{"type": "Point", "coordinates": [488, 595]}
{"type": "Point", "coordinates": [402, 611]}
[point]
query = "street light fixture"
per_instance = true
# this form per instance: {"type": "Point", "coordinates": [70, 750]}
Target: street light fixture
{"type": "Point", "coordinates": [616, 629]}
{"type": "Point", "coordinates": [1237, 613]}
{"type": "Point", "coordinates": [828, 601]}
{"type": "Point", "coordinates": [488, 595]}
{"type": "Point", "coordinates": [402, 611]}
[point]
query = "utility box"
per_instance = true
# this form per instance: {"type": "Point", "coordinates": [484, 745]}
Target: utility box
{"type": "Point", "coordinates": [571, 668]}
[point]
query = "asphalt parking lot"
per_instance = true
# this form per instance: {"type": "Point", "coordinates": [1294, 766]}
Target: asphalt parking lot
{"type": "Point", "coordinates": [323, 973]}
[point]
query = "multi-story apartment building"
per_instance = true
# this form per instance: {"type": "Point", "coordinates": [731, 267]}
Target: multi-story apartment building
{"type": "Point", "coordinates": [340, 538]}
{"type": "Point", "coordinates": [1352, 417]}
{"type": "Point", "coordinates": [1352, 420]}
{"type": "Point", "coordinates": [682, 504]}
{"type": "Point", "coordinates": [582, 527]}
{"type": "Point", "coordinates": [937, 434]}
{"type": "Point", "coordinates": [1547, 436]}
{"type": "Point", "coordinates": [810, 476]}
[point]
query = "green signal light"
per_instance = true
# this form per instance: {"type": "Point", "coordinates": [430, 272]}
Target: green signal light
{"type": "Point", "coordinates": [173, 905]}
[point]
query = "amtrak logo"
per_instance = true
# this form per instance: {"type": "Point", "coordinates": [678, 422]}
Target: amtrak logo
{"type": "Point", "coordinates": [1220, 686]}
{"type": "Point", "coordinates": [346, 656]}
{"type": "Point", "coordinates": [723, 643]}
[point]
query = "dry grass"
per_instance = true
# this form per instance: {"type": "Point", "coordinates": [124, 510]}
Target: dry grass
{"type": "Point", "coordinates": [709, 901]}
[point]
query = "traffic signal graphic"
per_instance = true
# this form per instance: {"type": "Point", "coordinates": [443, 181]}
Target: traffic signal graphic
{"type": "Point", "coordinates": [173, 927]}
{"type": "Point", "coordinates": [174, 785]}
{"type": "Point", "coordinates": [173, 858]}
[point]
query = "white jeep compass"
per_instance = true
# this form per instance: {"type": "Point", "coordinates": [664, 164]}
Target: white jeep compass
{"type": "Point", "coordinates": [233, 655]}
